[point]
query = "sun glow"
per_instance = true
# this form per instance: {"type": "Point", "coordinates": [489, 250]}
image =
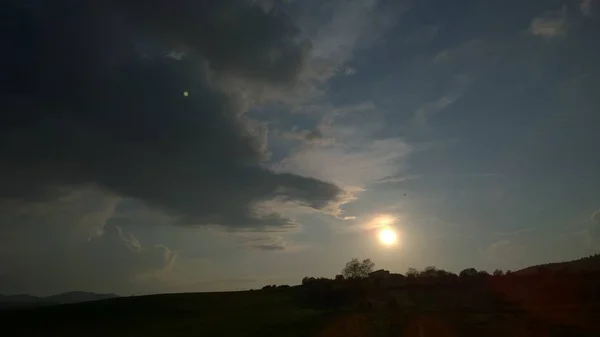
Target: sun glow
{"type": "Point", "coordinates": [388, 236]}
{"type": "Point", "coordinates": [384, 220]}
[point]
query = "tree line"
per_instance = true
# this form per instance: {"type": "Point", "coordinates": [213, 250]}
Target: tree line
{"type": "Point", "coordinates": [356, 269]}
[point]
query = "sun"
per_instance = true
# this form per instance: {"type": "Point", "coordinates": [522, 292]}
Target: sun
{"type": "Point", "coordinates": [388, 236]}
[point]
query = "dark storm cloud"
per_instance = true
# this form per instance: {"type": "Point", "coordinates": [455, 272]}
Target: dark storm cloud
{"type": "Point", "coordinates": [80, 105]}
{"type": "Point", "coordinates": [232, 35]}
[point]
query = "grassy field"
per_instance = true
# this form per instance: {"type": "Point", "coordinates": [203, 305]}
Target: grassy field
{"type": "Point", "coordinates": [278, 313]}
{"type": "Point", "coordinates": [249, 313]}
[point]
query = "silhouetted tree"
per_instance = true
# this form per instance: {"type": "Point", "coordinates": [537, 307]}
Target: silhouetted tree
{"type": "Point", "coordinates": [357, 269]}
{"type": "Point", "coordinates": [446, 275]}
{"type": "Point", "coordinates": [469, 272]}
{"type": "Point", "coordinates": [412, 273]}
{"type": "Point", "coordinates": [429, 272]}
{"type": "Point", "coordinates": [498, 272]}
{"type": "Point", "coordinates": [307, 280]}
{"type": "Point", "coordinates": [430, 275]}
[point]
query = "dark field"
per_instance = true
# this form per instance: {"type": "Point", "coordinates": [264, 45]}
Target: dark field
{"type": "Point", "coordinates": [483, 309]}
{"type": "Point", "coordinates": [249, 313]}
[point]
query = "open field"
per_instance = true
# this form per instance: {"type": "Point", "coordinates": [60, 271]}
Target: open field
{"type": "Point", "coordinates": [249, 313]}
{"type": "Point", "coordinates": [414, 312]}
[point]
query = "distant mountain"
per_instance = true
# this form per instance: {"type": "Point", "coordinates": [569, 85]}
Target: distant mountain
{"type": "Point", "coordinates": [25, 301]}
{"type": "Point", "coordinates": [78, 296]}
{"type": "Point", "coordinates": [586, 264]}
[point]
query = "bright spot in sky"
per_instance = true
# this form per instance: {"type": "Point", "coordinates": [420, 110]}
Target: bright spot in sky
{"type": "Point", "coordinates": [387, 236]}
{"type": "Point", "coordinates": [185, 93]}
{"type": "Point", "coordinates": [384, 220]}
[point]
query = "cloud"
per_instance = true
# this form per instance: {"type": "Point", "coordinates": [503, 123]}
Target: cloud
{"type": "Point", "coordinates": [169, 256]}
{"type": "Point", "coordinates": [60, 257]}
{"type": "Point", "coordinates": [267, 244]}
{"type": "Point", "coordinates": [596, 216]}
{"type": "Point", "coordinates": [354, 160]}
{"type": "Point", "coordinates": [130, 241]}
{"type": "Point", "coordinates": [235, 38]}
{"type": "Point", "coordinates": [267, 241]}
{"type": "Point", "coordinates": [130, 263]}
{"type": "Point", "coordinates": [427, 111]}
{"type": "Point", "coordinates": [336, 30]}
{"type": "Point", "coordinates": [161, 273]}
{"type": "Point", "coordinates": [79, 216]}
{"type": "Point", "coordinates": [397, 179]}
{"type": "Point", "coordinates": [351, 25]}
{"type": "Point", "coordinates": [349, 71]}
{"type": "Point", "coordinates": [550, 24]}
{"type": "Point", "coordinates": [313, 137]}
{"type": "Point", "coordinates": [86, 99]}
{"type": "Point", "coordinates": [349, 164]}
{"type": "Point", "coordinates": [588, 7]}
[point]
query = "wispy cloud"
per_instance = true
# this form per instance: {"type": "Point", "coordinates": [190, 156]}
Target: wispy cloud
{"type": "Point", "coordinates": [277, 240]}
{"type": "Point", "coordinates": [350, 164]}
{"type": "Point", "coordinates": [130, 241]}
{"type": "Point", "coordinates": [312, 137]}
{"type": "Point", "coordinates": [596, 216]}
{"type": "Point", "coordinates": [424, 113]}
{"type": "Point", "coordinates": [357, 157]}
{"type": "Point", "coordinates": [354, 24]}
{"type": "Point", "coordinates": [550, 24]}
{"type": "Point", "coordinates": [161, 271]}
{"type": "Point", "coordinates": [169, 257]}
{"type": "Point", "coordinates": [355, 160]}
{"type": "Point", "coordinates": [397, 179]}
{"type": "Point", "coordinates": [407, 177]}
{"type": "Point", "coordinates": [267, 244]}
{"type": "Point", "coordinates": [270, 243]}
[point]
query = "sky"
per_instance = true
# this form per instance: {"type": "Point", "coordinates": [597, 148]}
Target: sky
{"type": "Point", "coordinates": [181, 145]}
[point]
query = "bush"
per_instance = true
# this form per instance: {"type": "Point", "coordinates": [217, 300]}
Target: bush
{"type": "Point", "coordinates": [358, 269]}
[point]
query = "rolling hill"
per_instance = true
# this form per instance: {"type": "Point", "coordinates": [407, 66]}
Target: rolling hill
{"type": "Point", "coordinates": [24, 300]}
{"type": "Point", "coordinates": [586, 264]}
